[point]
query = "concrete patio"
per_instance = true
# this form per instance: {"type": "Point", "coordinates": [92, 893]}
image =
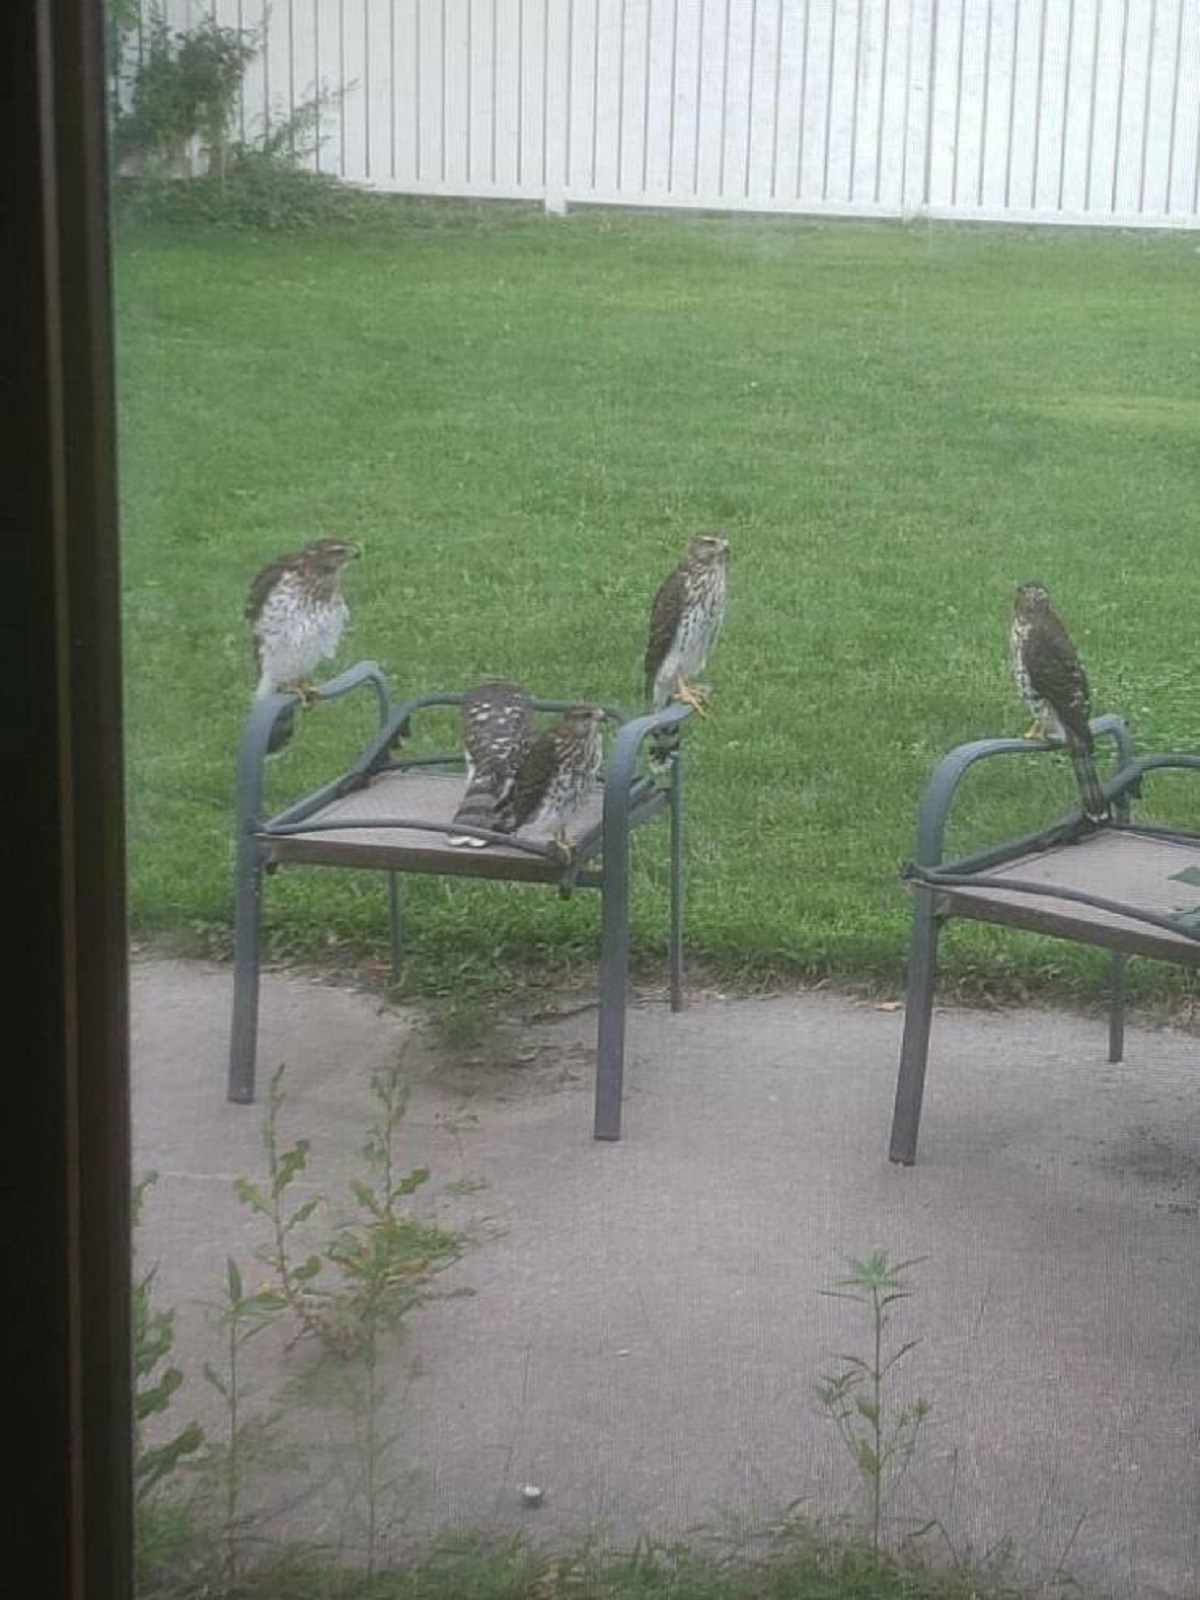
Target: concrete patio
{"type": "Point", "coordinates": [645, 1324]}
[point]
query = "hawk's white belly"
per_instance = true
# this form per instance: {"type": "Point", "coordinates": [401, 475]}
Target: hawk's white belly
{"type": "Point", "coordinates": [694, 642]}
{"type": "Point", "coordinates": [568, 791]}
{"type": "Point", "coordinates": [295, 638]}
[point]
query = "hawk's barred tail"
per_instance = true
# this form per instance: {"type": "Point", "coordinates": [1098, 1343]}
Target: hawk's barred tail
{"type": "Point", "coordinates": [1095, 806]}
{"type": "Point", "coordinates": [663, 744]}
{"type": "Point", "coordinates": [477, 809]}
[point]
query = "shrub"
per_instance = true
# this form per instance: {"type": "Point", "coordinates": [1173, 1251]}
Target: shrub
{"type": "Point", "coordinates": [183, 88]}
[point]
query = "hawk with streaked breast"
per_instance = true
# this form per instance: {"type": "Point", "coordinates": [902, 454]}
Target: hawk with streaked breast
{"type": "Point", "coordinates": [497, 725]}
{"type": "Point", "coordinates": [556, 776]}
{"type": "Point", "coordinates": [685, 621]}
{"type": "Point", "coordinates": [1050, 678]}
{"type": "Point", "coordinates": [297, 616]}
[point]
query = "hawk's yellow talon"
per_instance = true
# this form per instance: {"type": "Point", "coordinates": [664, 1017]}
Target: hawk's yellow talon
{"type": "Point", "coordinates": [694, 695]}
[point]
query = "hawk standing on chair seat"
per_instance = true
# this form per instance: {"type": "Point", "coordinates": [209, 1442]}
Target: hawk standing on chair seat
{"type": "Point", "coordinates": [685, 621]}
{"type": "Point", "coordinates": [497, 721]}
{"type": "Point", "coordinates": [1050, 678]}
{"type": "Point", "coordinates": [297, 615]}
{"type": "Point", "coordinates": [556, 776]}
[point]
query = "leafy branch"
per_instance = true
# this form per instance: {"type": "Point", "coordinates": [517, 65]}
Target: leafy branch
{"type": "Point", "coordinates": [879, 1440]}
{"type": "Point", "coordinates": [156, 1378]}
{"type": "Point", "coordinates": [383, 1258]}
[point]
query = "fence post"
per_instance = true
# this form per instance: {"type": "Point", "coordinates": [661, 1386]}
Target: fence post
{"type": "Point", "coordinates": [557, 128]}
{"type": "Point", "coordinates": [921, 52]}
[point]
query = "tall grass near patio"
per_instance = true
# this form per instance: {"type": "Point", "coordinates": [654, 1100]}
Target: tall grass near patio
{"type": "Point", "coordinates": [524, 419]}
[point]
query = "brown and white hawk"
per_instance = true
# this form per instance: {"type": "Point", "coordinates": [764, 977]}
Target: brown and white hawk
{"type": "Point", "coordinates": [297, 616]}
{"type": "Point", "coordinates": [497, 725]}
{"type": "Point", "coordinates": [556, 776]}
{"type": "Point", "coordinates": [1050, 678]}
{"type": "Point", "coordinates": [685, 621]}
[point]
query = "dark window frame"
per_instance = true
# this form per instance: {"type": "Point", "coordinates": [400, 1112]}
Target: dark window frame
{"type": "Point", "coordinates": [65, 1095]}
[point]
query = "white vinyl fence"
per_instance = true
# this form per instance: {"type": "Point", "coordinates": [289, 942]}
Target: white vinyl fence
{"type": "Point", "coordinates": [1080, 111]}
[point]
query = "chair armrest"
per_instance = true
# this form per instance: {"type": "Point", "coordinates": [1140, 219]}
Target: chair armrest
{"type": "Point", "coordinates": [951, 769]}
{"type": "Point", "coordinates": [631, 736]}
{"type": "Point", "coordinates": [619, 774]}
{"type": "Point", "coordinates": [1128, 779]}
{"type": "Point", "coordinates": [265, 713]}
{"type": "Point", "coordinates": [1126, 786]}
{"type": "Point", "coordinates": [613, 832]}
{"type": "Point", "coordinates": [363, 672]}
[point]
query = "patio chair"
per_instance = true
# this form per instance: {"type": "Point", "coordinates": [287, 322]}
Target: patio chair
{"type": "Point", "coordinates": [392, 813]}
{"type": "Point", "coordinates": [1127, 888]}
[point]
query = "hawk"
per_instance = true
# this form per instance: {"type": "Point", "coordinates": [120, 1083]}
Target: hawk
{"type": "Point", "coordinates": [1050, 678]}
{"type": "Point", "coordinates": [555, 776]}
{"type": "Point", "coordinates": [297, 616]}
{"type": "Point", "coordinates": [497, 719]}
{"type": "Point", "coordinates": [685, 620]}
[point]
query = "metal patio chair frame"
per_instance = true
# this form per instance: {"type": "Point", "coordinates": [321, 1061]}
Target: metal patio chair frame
{"type": "Point", "coordinates": [307, 832]}
{"type": "Point", "coordinates": [978, 887]}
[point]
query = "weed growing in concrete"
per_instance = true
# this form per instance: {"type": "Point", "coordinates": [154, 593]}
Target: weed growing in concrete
{"type": "Point", "coordinates": [240, 1317]}
{"type": "Point", "coordinates": [880, 1437]}
{"type": "Point", "coordinates": [352, 1289]}
{"type": "Point", "coordinates": [156, 1377]}
{"type": "Point", "coordinates": [291, 1279]}
{"type": "Point", "coordinates": [383, 1258]}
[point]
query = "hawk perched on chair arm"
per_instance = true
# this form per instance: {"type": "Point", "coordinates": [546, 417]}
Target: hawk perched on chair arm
{"type": "Point", "coordinates": [1051, 680]}
{"type": "Point", "coordinates": [685, 621]}
{"type": "Point", "coordinates": [297, 617]}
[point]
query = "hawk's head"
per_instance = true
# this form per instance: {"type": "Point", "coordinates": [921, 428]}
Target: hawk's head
{"type": "Point", "coordinates": [331, 555]}
{"type": "Point", "coordinates": [1031, 599]}
{"type": "Point", "coordinates": [708, 550]}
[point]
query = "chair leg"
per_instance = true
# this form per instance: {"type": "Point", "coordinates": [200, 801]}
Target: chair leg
{"type": "Point", "coordinates": [918, 1017]}
{"type": "Point", "coordinates": [395, 925]}
{"type": "Point", "coordinates": [1116, 1007]}
{"type": "Point", "coordinates": [675, 937]}
{"type": "Point", "coordinates": [614, 978]}
{"type": "Point", "coordinates": [243, 1043]}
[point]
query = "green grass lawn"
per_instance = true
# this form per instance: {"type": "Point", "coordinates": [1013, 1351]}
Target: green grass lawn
{"type": "Point", "coordinates": [525, 418]}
